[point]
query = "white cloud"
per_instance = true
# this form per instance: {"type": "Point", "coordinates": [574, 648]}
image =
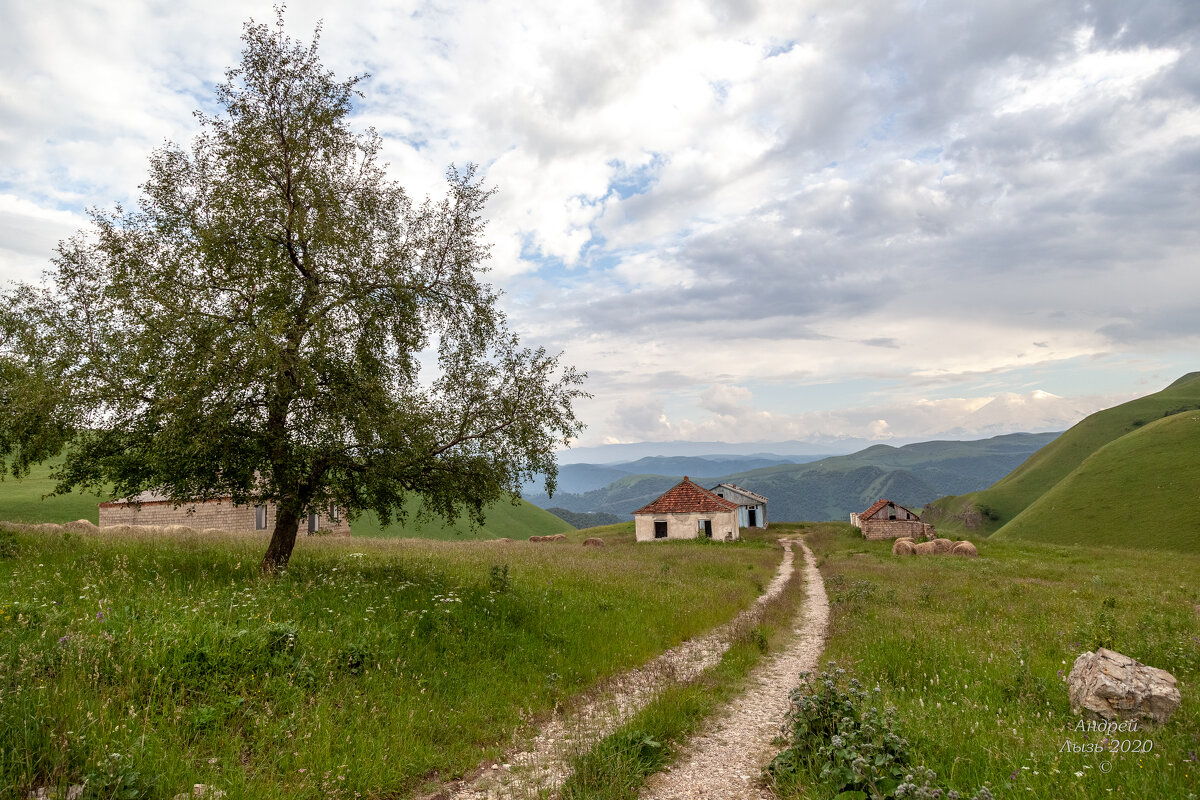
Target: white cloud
{"type": "Point", "coordinates": [697, 202]}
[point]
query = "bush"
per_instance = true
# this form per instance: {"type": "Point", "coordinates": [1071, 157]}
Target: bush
{"type": "Point", "coordinates": [840, 735]}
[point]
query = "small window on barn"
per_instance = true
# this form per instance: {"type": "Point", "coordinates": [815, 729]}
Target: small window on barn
{"type": "Point", "coordinates": [260, 517]}
{"type": "Point", "coordinates": [334, 513]}
{"type": "Point", "coordinates": [660, 529]}
{"type": "Point", "coordinates": [314, 523]}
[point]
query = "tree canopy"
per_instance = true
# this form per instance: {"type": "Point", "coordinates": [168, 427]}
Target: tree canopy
{"type": "Point", "coordinates": [256, 327]}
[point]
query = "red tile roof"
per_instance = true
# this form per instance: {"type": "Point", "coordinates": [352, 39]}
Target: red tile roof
{"type": "Point", "coordinates": [880, 504]}
{"type": "Point", "coordinates": [687, 498]}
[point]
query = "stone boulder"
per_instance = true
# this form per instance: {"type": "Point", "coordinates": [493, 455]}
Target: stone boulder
{"type": "Point", "coordinates": [1109, 686]}
{"type": "Point", "coordinates": [964, 548]}
{"type": "Point", "coordinates": [902, 548]}
{"type": "Point", "coordinates": [593, 541]}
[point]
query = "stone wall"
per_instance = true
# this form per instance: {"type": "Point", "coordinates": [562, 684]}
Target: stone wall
{"type": "Point", "coordinates": [220, 514]}
{"type": "Point", "coordinates": [895, 528]}
{"type": "Point", "coordinates": [686, 526]}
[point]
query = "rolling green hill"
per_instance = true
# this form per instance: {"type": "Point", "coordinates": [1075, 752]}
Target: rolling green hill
{"type": "Point", "coordinates": [988, 510]}
{"type": "Point", "coordinates": [1135, 491]}
{"type": "Point", "coordinates": [22, 501]}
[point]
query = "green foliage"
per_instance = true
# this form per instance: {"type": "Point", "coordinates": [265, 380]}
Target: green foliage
{"type": "Point", "coordinates": [252, 328]}
{"type": "Point", "coordinates": [116, 777]}
{"type": "Point", "coordinates": [843, 732]}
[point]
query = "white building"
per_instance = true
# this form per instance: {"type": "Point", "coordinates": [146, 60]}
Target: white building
{"type": "Point", "coordinates": [687, 511]}
{"type": "Point", "coordinates": [752, 508]}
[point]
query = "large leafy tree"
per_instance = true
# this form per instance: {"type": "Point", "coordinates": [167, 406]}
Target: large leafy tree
{"type": "Point", "coordinates": [256, 327]}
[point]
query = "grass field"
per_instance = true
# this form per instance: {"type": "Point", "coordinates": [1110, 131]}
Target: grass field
{"type": "Point", "coordinates": [26, 500]}
{"type": "Point", "coordinates": [1126, 494]}
{"type": "Point", "coordinates": [972, 653]}
{"type": "Point", "coordinates": [1009, 496]}
{"type": "Point", "coordinates": [370, 668]}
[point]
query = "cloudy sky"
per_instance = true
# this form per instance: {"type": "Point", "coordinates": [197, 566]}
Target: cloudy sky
{"type": "Point", "coordinates": [747, 221]}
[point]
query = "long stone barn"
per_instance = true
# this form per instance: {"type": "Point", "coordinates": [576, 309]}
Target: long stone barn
{"type": "Point", "coordinates": [687, 511]}
{"type": "Point", "coordinates": [152, 508]}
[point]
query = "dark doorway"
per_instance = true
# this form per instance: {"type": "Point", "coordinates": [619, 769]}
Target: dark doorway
{"type": "Point", "coordinates": [706, 524]}
{"type": "Point", "coordinates": [753, 516]}
{"type": "Point", "coordinates": [660, 529]}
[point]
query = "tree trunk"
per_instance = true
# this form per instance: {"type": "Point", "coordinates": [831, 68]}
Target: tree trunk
{"type": "Point", "coordinates": [283, 539]}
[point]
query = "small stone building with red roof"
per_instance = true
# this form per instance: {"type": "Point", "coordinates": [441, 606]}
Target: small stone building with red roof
{"type": "Point", "coordinates": [687, 511]}
{"type": "Point", "coordinates": [888, 520]}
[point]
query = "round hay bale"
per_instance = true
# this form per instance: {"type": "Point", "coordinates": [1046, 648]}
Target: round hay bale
{"type": "Point", "coordinates": [537, 538]}
{"type": "Point", "coordinates": [908, 539]}
{"type": "Point", "coordinates": [558, 537]}
{"type": "Point", "coordinates": [504, 539]}
{"type": "Point", "coordinates": [81, 526]}
{"type": "Point", "coordinates": [902, 548]}
{"type": "Point", "coordinates": [925, 549]}
{"type": "Point", "coordinates": [942, 545]}
{"type": "Point", "coordinates": [177, 530]}
{"type": "Point", "coordinates": [594, 541]}
{"type": "Point", "coordinates": [964, 548]}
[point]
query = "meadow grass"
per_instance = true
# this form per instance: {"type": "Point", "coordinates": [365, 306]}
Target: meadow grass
{"type": "Point", "coordinates": [503, 519]}
{"type": "Point", "coordinates": [973, 654]}
{"type": "Point", "coordinates": [370, 668]}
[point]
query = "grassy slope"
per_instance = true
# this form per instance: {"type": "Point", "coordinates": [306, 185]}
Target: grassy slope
{"type": "Point", "coordinates": [1013, 493]}
{"type": "Point", "coordinates": [1130, 492]}
{"type": "Point", "coordinates": [503, 520]}
{"type": "Point", "coordinates": [971, 653]}
{"type": "Point", "coordinates": [22, 501]}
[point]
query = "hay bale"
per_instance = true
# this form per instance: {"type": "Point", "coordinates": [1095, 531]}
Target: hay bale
{"type": "Point", "coordinates": [964, 548]}
{"type": "Point", "coordinates": [942, 545]}
{"type": "Point", "coordinates": [80, 526]}
{"type": "Point", "coordinates": [503, 539]}
{"type": "Point", "coordinates": [925, 549]}
{"type": "Point", "coordinates": [537, 538]}
{"type": "Point", "coordinates": [908, 539]}
{"type": "Point", "coordinates": [558, 537]}
{"type": "Point", "coordinates": [594, 541]}
{"type": "Point", "coordinates": [903, 548]}
{"type": "Point", "coordinates": [178, 530]}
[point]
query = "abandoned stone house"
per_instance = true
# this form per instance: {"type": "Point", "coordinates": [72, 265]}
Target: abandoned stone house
{"type": "Point", "coordinates": [152, 508]}
{"type": "Point", "coordinates": [888, 520]}
{"type": "Point", "coordinates": [687, 511]}
{"type": "Point", "coordinates": [752, 508]}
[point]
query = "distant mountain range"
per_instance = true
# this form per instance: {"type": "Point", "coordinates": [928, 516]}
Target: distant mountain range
{"type": "Point", "coordinates": [580, 478]}
{"type": "Point", "coordinates": [820, 488]}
